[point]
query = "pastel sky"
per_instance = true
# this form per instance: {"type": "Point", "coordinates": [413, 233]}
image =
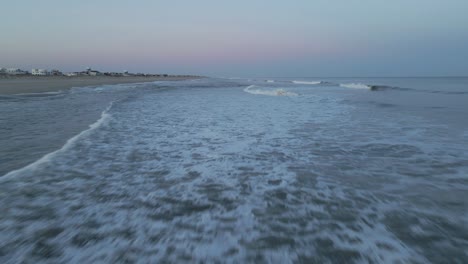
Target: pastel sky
{"type": "Point", "coordinates": [239, 38]}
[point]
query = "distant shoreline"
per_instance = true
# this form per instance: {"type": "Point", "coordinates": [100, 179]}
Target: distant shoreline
{"type": "Point", "coordinates": [39, 84]}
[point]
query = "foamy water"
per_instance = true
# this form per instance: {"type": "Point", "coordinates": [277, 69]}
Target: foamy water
{"type": "Point", "coordinates": [229, 171]}
{"type": "Point", "coordinates": [253, 89]}
{"type": "Point", "coordinates": [307, 82]}
{"type": "Point", "coordinates": [355, 85]}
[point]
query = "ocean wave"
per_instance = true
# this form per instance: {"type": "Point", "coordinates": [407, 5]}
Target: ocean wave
{"type": "Point", "coordinates": [445, 92]}
{"type": "Point", "coordinates": [70, 142]}
{"type": "Point", "coordinates": [40, 94]}
{"type": "Point", "coordinates": [355, 86]}
{"type": "Point", "coordinates": [107, 87]}
{"type": "Point", "coordinates": [270, 81]}
{"type": "Point", "coordinates": [11, 98]}
{"type": "Point", "coordinates": [372, 87]}
{"type": "Point", "coordinates": [395, 88]}
{"type": "Point", "coordinates": [26, 96]}
{"type": "Point", "coordinates": [277, 92]}
{"type": "Point", "coordinates": [307, 82]}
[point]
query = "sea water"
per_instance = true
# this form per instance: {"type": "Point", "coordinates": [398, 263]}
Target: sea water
{"type": "Point", "coordinates": [276, 170]}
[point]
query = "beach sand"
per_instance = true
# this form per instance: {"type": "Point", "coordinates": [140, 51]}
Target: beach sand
{"type": "Point", "coordinates": [39, 84]}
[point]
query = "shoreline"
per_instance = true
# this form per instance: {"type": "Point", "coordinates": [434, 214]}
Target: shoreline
{"type": "Point", "coordinates": [41, 84]}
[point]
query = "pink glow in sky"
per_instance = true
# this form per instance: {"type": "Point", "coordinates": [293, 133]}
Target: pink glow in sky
{"type": "Point", "coordinates": [240, 37]}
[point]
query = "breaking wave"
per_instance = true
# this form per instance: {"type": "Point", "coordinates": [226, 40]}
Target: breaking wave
{"type": "Point", "coordinates": [350, 85]}
{"type": "Point", "coordinates": [24, 96]}
{"type": "Point", "coordinates": [355, 86]}
{"type": "Point", "coordinates": [40, 94]}
{"type": "Point", "coordinates": [70, 142]}
{"type": "Point", "coordinates": [276, 92]}
{"type": "Point", "coordinates": [307, 82]}
{"type": "Point", "coordinates": [395, 88]}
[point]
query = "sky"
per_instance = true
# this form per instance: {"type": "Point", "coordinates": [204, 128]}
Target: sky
{"type": "Point", "coordinates": [242, 38]}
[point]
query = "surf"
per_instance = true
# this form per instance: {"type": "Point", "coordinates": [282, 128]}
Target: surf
{"type": "Point", "coordinates": [277, 92]}
{"type": "Point", "coordinates": [355, 86]}
{"type": "Point", "coordinates": [105, 116]}
{"type": "Point", "coordinates": [307, 82]}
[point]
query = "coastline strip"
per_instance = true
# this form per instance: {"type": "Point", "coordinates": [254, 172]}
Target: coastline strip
{"type": "Point", "coordinates": [31, 84]}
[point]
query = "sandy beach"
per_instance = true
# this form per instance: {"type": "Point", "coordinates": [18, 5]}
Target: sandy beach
{"type": "Point", "coordinates": [36, 84]}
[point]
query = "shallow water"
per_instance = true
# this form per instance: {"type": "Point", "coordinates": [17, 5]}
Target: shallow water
{"type": "Point", "coordinates": [237, 171]}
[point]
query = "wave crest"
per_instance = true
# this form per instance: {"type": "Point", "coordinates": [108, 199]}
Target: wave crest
{"type": "Point", "coordinates": [105, 115]}
{"type": "Point", "coordinates": [277, 92]}
{"type": "Point", "coordinates": [355, 86]}
{"type": "Point", "coordinates": [307, 82]}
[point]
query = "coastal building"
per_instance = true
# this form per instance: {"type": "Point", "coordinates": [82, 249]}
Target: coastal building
{"type": "Point", "coordinates": [71, 74]}
{"type": "Point", "coordinates": [114, 74]}
{"type": "Point", "coordinates": [91, 72]}
{"type": "Point", "coordinates": [94, 73]}
{"type": "Point", "coordinates": [56, 73]}
{"type": "Point", "coordinates": [15, 71]}
{"type": "Point", "coordinates": [2, 71]}
{"type": "Point", "coordinates": [39, 72]}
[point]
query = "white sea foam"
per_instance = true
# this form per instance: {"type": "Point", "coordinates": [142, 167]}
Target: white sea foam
{"type": "Point", "coordinates": [109, 87]}
{"type": "Point", "coordinates": [307, 82]}
{"type": "Point", "coordinates": [276, 92]}
{"type": "Point", "coordinates": [355, 85]}
{"type": "Point", "coordinates": [233, 184]}
{"type": "Point", "coordinates": [70, 142]}
{"type": "Point", "coordinates": [270, 81]}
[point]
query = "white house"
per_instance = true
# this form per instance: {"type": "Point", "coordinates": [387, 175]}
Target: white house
{"type": "Point", "coordinates": [55, 72]}
{"type": "Point", "coordinates": [14, 71]}
{"type": "Point", "coordinates": [39, 72]}
{"type": "Point", "coordinates": [94, 73]}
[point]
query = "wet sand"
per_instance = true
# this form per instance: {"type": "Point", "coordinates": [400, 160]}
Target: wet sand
{"type": "Point", "coordinates": [39, 84]}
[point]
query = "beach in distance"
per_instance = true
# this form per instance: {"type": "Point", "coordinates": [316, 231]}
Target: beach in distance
{"type": "Point", "coordinates": [39, 84]}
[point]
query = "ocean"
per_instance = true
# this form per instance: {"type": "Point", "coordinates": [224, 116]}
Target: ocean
{"type": "Point", "coordinates": [271, 170]}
